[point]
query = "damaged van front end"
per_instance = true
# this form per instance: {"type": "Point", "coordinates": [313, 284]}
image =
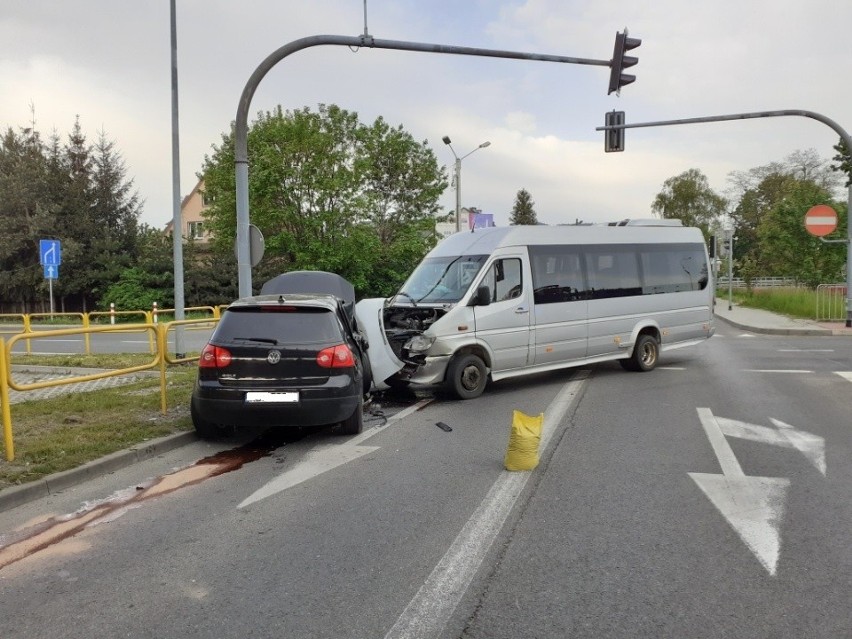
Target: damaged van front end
{"type": "Point", "coordinates": [427, 321]}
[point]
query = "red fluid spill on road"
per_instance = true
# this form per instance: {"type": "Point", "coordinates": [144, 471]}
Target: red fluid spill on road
{"type": "Point", "coordinates": [25, 542]}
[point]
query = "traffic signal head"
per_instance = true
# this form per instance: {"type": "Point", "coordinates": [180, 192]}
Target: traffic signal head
{"type": "Point", "coordinates": [619, 61]}
{"type": "Point", "coordinates": [614, 138]}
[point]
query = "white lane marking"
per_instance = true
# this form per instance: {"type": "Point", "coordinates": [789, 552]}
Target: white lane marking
{"type": "Point", "coordinates": [769, 370]}
{"type": "Point", "coordinates": [325, 457]}
{"type": "Point", "coordinates": [745, 335]}
{"type": "Point", "coordinates": [318, 461]}
{"type": "Point", "coordinates": [805, 350]}
{"type": "Point", "coordinates": [753, 506]}
{"type": "Point", "coordinates": [430, 609]}
{"type": "Point", "coordinates": [845, 375]}
{"type": "Point", "coordinates": [378, 429]}
{"type": "Point", "coordinates": [671, 368]}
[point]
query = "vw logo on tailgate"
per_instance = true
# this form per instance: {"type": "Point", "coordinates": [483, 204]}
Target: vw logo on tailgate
{"type": "Point", "coordinates": [273, 357]}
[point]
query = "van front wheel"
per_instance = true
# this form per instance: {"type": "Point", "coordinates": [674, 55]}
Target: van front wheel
{"type": "Point", "coordinates": [467, 376]}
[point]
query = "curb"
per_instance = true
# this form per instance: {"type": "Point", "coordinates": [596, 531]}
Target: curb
{"type": "Point", "coordinates": [17, 495]}
{"type": "Point", "coordinates": [776, 331]}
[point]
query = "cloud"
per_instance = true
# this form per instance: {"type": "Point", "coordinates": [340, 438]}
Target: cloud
{"type": "Point", "coordinates": [109, 63]}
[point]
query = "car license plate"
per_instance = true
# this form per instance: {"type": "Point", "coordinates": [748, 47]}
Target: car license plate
{"type": "Point", "coordinates": [272, 398]}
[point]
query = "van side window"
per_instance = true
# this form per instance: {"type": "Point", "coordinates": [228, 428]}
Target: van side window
{"type": "Point", "coordinates": [613, 272]}
{"type": "Point", "coordinates": [504, 278]}
{"type": "Point", "coordinates": [557, 273]}
{"type": "Point", "coordinates": [672, 269]}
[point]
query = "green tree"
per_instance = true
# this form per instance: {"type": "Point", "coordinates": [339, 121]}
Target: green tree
{"type": "Point", "coordinates": [523, 213]}
{"type": "Point", "coordinates": [689, 198]}
{"type": "Point", "coordinates": [761, 189]}
{"type": "Point", "coordinates": [844, 161]}
{"type": "Point", "coordinates": [787, 249]}
{"type": "Point", "coordinates": [330, 193]}
{"type": "Point", "coordinates": [73, 193]}
{"type": "Point", "coordinates": [98, 218]}
{"type": "Point", "coordinates": [24, 211]}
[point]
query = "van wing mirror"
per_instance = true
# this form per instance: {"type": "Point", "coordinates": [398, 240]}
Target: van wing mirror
{"type": "Point", "coordinates": [482, 297]}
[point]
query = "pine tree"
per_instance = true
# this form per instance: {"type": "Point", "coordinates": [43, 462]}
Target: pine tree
{"type": "Point", "coordinates": [523, 213]}
{"type": "Point", "coordinates": [844, 161]}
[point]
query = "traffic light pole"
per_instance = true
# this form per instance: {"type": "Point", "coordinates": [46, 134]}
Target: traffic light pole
{"type": "Point", "coordinates": [355, 42]}
{"type": "Point", "coordinates": [774, 114]}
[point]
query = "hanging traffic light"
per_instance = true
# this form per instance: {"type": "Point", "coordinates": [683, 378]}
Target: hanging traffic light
{"type": "Point", "coordinates": [619, 61]}
{"type": "Point", "coordinates": [613, 138]}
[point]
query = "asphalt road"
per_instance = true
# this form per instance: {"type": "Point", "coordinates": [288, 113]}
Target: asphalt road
{"type": "Point", "coordinates": [667, 504]}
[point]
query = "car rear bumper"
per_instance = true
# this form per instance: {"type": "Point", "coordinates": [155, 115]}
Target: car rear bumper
{"type": "Point", "coordinates": [315, 407]}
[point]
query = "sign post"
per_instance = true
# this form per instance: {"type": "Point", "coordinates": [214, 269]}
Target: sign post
{"type": "Point", "coordinates": [50, 257]}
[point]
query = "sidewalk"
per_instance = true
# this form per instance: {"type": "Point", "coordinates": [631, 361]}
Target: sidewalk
{"type": "Point", "coordinates": [30, 374]}
{"type": "Point", "coordinates": [760, 321]}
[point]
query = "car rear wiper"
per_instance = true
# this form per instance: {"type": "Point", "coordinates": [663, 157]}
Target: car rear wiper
{"type": "Point", "coordinates": [263, 340]}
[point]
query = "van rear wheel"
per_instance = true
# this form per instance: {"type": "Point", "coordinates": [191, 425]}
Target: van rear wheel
{"type": "Point", "coordinates": [646, 352]}
{"type": "Point", "coordinates": [467, 376]}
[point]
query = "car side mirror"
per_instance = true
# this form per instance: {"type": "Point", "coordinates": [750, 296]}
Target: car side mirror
{"type": "Point", "coordinates": [482, 297]}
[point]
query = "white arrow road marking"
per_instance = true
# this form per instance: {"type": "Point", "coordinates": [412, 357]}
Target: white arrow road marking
{"type": "Point", "coordinates": [753, 506]}
{"type": "Point", "coordinates": [810, 445]}
{"type": "Point", "coordinates": [844, 375]}
{"type": "Point", "coordinates": [324, 458]}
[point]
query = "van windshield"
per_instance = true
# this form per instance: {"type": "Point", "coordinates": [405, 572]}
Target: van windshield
{"type": "Point", "coordinates": [442, 280]}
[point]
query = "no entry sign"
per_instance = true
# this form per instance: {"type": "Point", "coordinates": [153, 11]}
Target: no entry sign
{"type": "Point", "coordinates": [820, 220]}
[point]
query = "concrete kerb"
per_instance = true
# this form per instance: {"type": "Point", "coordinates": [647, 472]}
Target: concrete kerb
{"type": "Point", "coordinates": [775, 330]}
{"type": "Point", "coordinates": [52, 484]}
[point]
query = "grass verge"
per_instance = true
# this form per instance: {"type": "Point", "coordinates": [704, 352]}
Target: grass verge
{"type": "Point", "coordinates": [793, 302]}
{"type": "Point", "coordinates": [51, 435]}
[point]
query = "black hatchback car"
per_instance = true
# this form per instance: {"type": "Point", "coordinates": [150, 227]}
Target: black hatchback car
{"type": "Point", "coordinates": [285, 359]}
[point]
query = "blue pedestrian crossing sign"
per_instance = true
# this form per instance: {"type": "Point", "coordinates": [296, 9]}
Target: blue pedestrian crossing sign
{"type": "Point", "coordinates": [49, 254]}
{"type": "Point", "coordinates": [51, 272]}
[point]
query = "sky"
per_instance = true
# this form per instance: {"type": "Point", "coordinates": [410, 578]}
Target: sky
{"type": "Point", "coordinates": [108, 62]}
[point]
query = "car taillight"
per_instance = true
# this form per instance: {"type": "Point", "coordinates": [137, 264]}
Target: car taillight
{"type": "Point", "coordinates": [336, 357]}
{"type": "Point", "coordinates": [214, 357]}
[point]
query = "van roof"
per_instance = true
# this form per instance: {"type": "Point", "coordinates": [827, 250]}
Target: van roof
{"type": "Point", "coordinates": [485, 241]}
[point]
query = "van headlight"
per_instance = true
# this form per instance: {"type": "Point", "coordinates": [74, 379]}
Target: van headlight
{"type": "Point", "coordinates": [419, 343]}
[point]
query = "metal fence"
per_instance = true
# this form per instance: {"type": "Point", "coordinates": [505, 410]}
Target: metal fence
{"type": "Point", "coordinates": [830, 302]}
{"type": "Point", "coordinates": [758, 282]}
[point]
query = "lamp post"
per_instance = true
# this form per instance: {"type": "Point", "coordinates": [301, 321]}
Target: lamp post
{"type": "Point", "coordinates": [446, 140]}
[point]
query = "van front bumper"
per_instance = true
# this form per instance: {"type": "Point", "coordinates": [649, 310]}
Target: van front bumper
{"type": "Point", "coordinates": [432, 371]}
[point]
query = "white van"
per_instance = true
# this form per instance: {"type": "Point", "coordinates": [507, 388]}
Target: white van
{"type": "Point", "coordinates": [501, 302]}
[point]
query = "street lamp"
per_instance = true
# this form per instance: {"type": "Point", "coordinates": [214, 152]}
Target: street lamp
{"type": "Point", "coordinates": [446, 140]}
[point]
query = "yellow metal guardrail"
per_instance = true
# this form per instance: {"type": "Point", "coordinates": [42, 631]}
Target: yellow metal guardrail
{"type": "Point", "coordinates": [162, 359]}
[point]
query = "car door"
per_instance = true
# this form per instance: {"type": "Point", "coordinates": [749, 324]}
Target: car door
{"type": "Point", "coordinates": [504, 324]}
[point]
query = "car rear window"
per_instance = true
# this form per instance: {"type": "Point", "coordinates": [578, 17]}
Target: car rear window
{"type": "Point", "coordinates": [293, 325]}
